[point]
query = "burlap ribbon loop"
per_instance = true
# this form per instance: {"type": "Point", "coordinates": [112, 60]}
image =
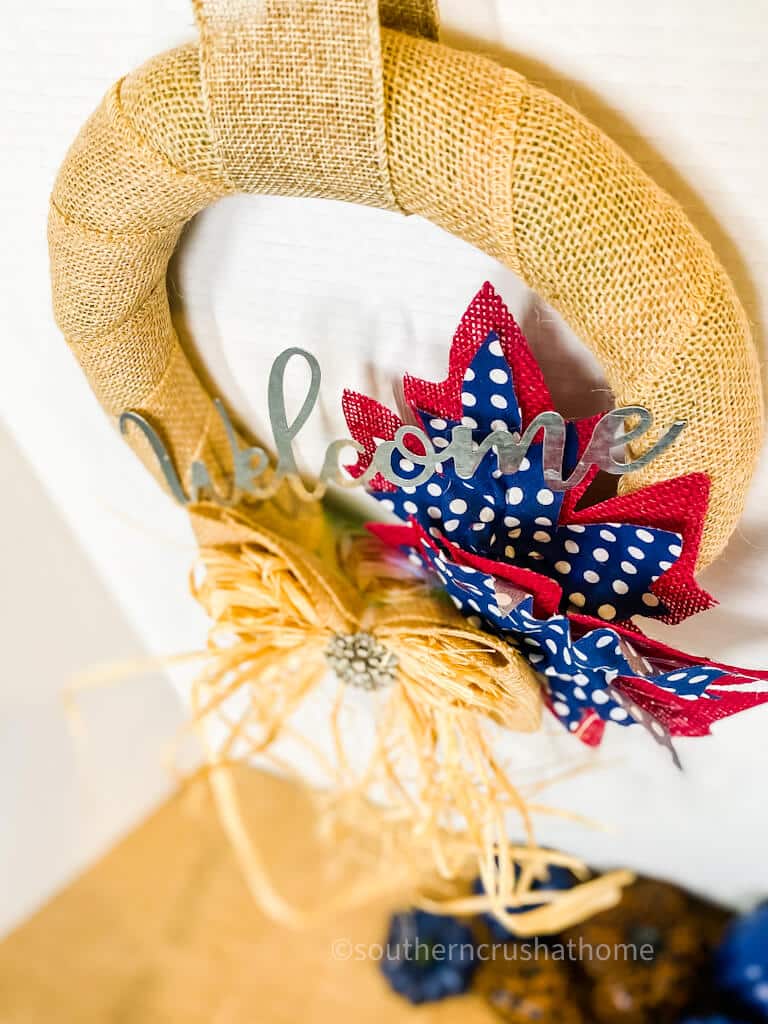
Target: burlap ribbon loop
{"type": "Point", "coordinates": [307, 115]}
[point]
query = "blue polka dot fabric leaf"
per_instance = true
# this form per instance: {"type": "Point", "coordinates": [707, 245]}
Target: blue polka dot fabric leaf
{"type": "Point", "coordinates": [608, 570]}
{"type": "Point", "coordinates": [690, 683]}
{"type": "Point", "coordinates": [577, 672]}
{"type": "Point", "coordinates": [488, 397]}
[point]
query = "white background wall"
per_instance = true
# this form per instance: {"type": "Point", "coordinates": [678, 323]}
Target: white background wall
{"type": "Point", "coordinates": [681, 84]}
{"type": "Point", "coordinates": [68, 785]}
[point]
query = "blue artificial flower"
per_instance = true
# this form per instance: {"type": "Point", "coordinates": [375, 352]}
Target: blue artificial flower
{"type": "Point", "coordinates": [428, 956]}
{"type": "Point", "coordinates": [741, 962]}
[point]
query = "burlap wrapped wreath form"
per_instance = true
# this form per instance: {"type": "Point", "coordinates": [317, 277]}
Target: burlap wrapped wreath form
{"type": "Point", "coordinates": [312, 98]}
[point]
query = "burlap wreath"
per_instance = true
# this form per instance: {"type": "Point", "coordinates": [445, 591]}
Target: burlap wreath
{"type": "Point", "coordinates": [292, 98]}
{"type": "Point", "coordinates": [312, 98]}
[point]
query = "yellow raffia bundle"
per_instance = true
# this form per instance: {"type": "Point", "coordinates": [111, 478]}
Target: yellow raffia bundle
{"type": "Point", "coordinates": [433, 794]}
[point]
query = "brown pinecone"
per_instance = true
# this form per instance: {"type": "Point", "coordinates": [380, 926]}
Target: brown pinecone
{"type": "Point", "coordinates": [525, 991]}
{"type": "Point", "coordinates": [658, 939]}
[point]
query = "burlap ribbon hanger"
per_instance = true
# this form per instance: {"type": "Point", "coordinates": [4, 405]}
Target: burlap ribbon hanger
{"type": "Point", "coordinates": [306, 116]}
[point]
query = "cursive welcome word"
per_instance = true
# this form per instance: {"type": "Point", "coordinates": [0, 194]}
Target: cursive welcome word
{"type": "Point", "coordinates": [250, 463]}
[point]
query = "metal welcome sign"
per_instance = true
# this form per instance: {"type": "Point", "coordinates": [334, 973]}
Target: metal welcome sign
{"type": "Point", "coordinates": [252, 463]}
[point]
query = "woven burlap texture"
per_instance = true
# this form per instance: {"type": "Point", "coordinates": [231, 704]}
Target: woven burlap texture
{"type": "Point", "coordinates": [331, 105]}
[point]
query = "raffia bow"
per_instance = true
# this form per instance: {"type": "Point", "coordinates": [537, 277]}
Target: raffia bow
{"type": "Point", "coordinates": [433, 790]}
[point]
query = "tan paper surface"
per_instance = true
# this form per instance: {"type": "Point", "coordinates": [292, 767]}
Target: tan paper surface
{"type": "Point", "coordinates": [163, 931]}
